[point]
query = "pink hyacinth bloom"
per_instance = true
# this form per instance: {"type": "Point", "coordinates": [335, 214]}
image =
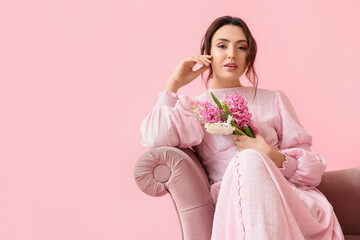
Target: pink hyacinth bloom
{"type": "Point", "coordinates": [209, 112]}
{"type": "Point", "coordinates": [238, 111]}
{"type": "Point", "coordinates": [238, 108]}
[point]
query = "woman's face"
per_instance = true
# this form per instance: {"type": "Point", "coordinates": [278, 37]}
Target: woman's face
{"type": "Point", "coordinates": [228, 45]}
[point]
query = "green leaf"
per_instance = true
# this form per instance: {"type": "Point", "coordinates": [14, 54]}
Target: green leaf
{"type": "Point", "coordinates": [226, 108]}
{"type": "Point", "coordinates": [237, 131]}
{"type": "Point", "coordinates": [224, 117]}
{"type": "Point", "coordinates": [248, 132]}
{"type": "Point", "coordinates": [216, 101]}
{"type": "Point", "coordinates": [252, 131]}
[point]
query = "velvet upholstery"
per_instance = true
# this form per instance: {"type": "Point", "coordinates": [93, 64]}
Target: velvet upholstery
{"type": "Point", "coordinates": [180, 173]}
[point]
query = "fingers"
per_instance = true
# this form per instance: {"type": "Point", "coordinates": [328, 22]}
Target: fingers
{"type": "Point", "coordinates": [239, 146]}
{"type": "Point", "coordinates": [207, 58]}
{"type": "Point", "coordinates": [239, 138]}
{"type": "Point", "coordinates": [238, 143]}
{"type": "Point", "coordinates": [203, 59]}
{"type": "Point", "coordinates": [236, 137]}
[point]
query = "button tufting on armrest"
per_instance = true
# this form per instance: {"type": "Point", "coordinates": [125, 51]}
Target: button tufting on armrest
{"type": "Point", "coordinates": [162, 173]}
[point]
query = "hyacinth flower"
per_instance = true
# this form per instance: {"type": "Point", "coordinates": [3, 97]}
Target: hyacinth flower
{"type": "Point", "coordinates": [228, 117]}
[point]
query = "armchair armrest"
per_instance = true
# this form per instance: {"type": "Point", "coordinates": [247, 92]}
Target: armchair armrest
{"type": "Point", "coordinates": [179, 172]}
{"type": "Point", "coordinates": [342, 189]}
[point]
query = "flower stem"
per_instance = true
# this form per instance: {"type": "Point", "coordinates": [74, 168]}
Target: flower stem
{"type": "Point", "coordinates": [248, 132]}
{"type": "Point", "coordinates": [237, 130]}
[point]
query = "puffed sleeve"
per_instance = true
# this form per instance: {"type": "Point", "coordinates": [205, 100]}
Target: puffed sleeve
{"type": "Point", "coordinates": [171, 123]}
{"type": "Point", "coordinates": [302, 167]}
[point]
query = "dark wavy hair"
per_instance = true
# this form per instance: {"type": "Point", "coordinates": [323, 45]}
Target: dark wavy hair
{"type": "Point", "coordinates": [205, 47]}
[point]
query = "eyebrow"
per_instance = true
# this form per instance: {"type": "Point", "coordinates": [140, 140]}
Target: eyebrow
{"type": "Point", "coordinates": [226, 40]}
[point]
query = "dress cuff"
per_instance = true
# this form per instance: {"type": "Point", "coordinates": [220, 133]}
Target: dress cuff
{"type": "Point", "coordinates": [289, 166]}
{"type": "Point", "coordinates": [167, 98]}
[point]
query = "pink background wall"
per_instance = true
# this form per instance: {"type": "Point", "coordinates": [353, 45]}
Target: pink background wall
{"type": "Point", "coordinates": [77, 77]}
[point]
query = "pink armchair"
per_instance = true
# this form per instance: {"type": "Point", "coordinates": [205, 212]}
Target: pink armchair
{"type": "Point", "coordinates": [180, 173]}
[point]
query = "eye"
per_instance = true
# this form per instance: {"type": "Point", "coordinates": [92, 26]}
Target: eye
{"type": "Point", "coordinates": [223, 46]}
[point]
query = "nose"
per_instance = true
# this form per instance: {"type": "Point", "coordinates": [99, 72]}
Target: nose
{"type": "Point", "coordinates": [231, 52]}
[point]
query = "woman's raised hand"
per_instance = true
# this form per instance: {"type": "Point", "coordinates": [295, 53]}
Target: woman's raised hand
{"type": "Point", "coordinates": [184, 74]}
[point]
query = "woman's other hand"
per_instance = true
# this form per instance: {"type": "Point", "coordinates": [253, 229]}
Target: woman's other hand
{"type": "Point", "coordinates": [184, 73]}
{"type": "Point", "coordinates": [260, 144]}
{"type": "Point", "coordinates": [257, 143]}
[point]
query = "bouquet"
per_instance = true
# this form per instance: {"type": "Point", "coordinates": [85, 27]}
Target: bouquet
{"type": "Point", "coordinates": [230, 116]}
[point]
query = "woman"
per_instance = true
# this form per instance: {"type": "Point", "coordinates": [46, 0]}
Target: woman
{"type": "Point", "coordinates": [262, 187]}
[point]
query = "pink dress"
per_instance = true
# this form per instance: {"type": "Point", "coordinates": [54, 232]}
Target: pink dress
{"type": "Point", "coordinates": [253, 198]}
